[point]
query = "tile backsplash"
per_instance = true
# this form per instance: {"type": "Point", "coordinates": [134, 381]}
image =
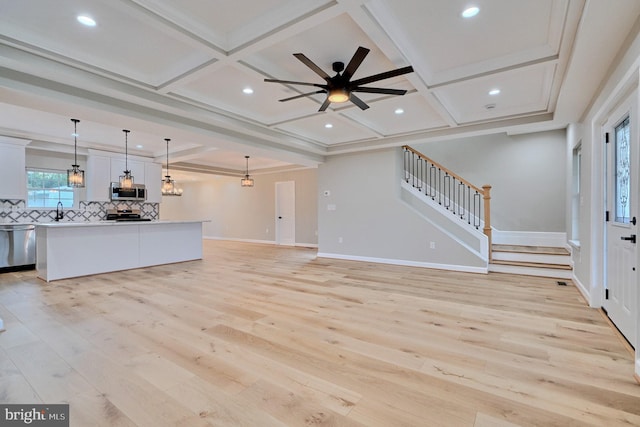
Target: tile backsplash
{"type": "Point", "coordinates": [14, 211]}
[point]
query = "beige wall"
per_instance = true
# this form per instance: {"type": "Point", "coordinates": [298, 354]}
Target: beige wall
{"type": "Point", "coordinates": [527, 174]}
{"type": "Point", "coordinates": [240, 213]}
{"type": "Point", "coordinates": [363, 215]}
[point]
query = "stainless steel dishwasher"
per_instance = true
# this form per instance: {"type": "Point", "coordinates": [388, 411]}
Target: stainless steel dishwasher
{"type": "Point", "coordinates": [17, 247]}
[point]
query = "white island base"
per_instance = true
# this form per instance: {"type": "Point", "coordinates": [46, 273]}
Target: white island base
{"type": "Point", "coordinates": [67, 250]}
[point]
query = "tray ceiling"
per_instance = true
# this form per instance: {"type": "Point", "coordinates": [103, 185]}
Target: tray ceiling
{"type": "Point", "coordinates": [178, 70]}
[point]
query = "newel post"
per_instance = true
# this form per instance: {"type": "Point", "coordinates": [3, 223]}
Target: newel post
{"type": "Point", "coordinates": [487, 214]}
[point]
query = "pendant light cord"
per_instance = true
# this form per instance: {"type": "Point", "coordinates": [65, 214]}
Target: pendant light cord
{"type": "Point", "coordinates": [75, 141]}
{"type": "Point", "coordinates": [167, 139]}
{"type": "Point", "coordinates": [126, 163]}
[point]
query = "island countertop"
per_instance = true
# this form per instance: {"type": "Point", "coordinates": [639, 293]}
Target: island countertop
{"type": "Point", "coordinates": [112, 222]}
{"type": "Point", "coordinates": [73, 249]}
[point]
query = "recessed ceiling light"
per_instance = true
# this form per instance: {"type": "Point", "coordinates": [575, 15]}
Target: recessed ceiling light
{"type": "Point", "coordinates": [247, 90]}
{"type": "Point", "coordinates": [328, 125]}
{"type": "Point", "coordinates": [494, 92]}
{"type": "Point", "coordinates": [75, 134]}
{"type": "Point", "coordinates": [399, 111]}
{"type": "Point", "coordinates": [139, 146]}
{"type": "Point", "coordinates": [86, 20]}
{"type": "Point", "coordinates": [470, 12]}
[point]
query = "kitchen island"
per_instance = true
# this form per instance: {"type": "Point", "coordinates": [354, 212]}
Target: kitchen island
{"type": "Point", "coordinates": [73, 249]}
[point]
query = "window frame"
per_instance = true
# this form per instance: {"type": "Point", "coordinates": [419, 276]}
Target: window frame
{"type": "Point", "coordinates": [60, 189]}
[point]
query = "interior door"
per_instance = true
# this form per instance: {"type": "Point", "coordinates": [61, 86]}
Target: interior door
{"type": "Point", "coordinates": [286, 213]}
{"type": "Point", "coordinates": [622, 203]}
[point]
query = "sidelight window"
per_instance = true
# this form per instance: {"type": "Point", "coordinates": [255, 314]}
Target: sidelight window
{"type": "Point", "coordinates": [622, 173]}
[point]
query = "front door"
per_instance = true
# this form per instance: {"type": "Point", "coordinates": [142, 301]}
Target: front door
{"type": "Point", "coordinates": [621, 231]}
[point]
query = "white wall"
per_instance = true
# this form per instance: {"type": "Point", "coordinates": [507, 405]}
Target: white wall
{"type": "Point", "coordinates": [589, 259]}
{"type": "Point", "coordinates": [527, 174]}
{"type": "Point", "coordinates": [248, 213]}
{"type": "Point", "coordinates": [622, 81]}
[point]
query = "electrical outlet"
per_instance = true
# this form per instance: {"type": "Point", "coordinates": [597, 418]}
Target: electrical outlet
{"type": "Point", "coordinates": [339, 239]}
{"type": "Point", "coordinates": [267, 231]}
{"type": "Point", "coordinates": [432, 245]}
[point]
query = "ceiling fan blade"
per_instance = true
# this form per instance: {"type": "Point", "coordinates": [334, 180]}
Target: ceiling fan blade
{"type": "Point", "coordinates": [289, 82]}
{"type": "Point", "coordinates": [355, 62]}
{"type": "Point", "coordinates": [359, 102]}
{"type": "Point", "coordinates": [325, 104]}
{"type": "Point", "coordinates": [379, 90]}
{"type": "Point", "coordinates": [306, 61]}
{"type": "Point", "coordinates": [302, 95]}
{"type": "Point", "coordinates": [382, 76]}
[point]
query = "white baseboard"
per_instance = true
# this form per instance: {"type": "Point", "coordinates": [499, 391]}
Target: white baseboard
{"type": "Point", "coordinates": [581, 288]}
{"type": "Point", "coordinates": [461, 268]}
{"type": "Point", "coordinates": [266, 242]}
{"type": "Point", "coordinates": [529, 238]}
{"type": "Point", "coordinates": [269, 242]}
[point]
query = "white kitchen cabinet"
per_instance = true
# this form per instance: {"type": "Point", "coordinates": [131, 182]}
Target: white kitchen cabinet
{"type": "Point", "coordinates": [153, 182]}
{"type": "Point", "coordinates": [13, 175]}
{"type": "Point", "coordinates": [135, 166]}
{"type": "Point", "coordinates": [98, 175]}
{"type": "Point", "coordinates": [103, 168]}
{"type": "Point", "coordinates": [67, 249]}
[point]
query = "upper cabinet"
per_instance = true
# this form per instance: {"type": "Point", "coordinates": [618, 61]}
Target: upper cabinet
{"type": "Point", "coordinates": [13, 179]}
{"type": "Point", "coordinates": [103, 169]}
{"type": "Point", "coordinates": [153, 182]}
{"type": "Point", "coordinates": [135, 166]}
{"type": "Point", "coordinates": [98, 176]}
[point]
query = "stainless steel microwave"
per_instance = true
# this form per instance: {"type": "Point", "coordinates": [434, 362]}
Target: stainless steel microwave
{"type": "Point", "coordinates": [136, 192]}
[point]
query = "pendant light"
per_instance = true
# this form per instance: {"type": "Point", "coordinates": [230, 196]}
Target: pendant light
{"type": "Point", "coordinates": [246, 181]}
{"type": "Point", "coordinates": [169, 185]}
{"type": "Point", "coordinates": [126, 180]}
{"type": "Point", "coordinates": [75, 175]}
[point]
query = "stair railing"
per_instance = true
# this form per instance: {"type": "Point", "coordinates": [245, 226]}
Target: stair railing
{"type": "Point", "coordinates": [466, 201]}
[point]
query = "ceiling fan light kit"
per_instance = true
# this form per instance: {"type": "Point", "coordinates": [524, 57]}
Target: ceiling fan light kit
{"type": "Point", "coordinates": [340, 88]}
{"type": "Point", "coordinates": [338, 95]}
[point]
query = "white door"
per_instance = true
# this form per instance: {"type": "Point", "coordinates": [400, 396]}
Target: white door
{"type": "Point", "coordinates": [621, 231]}
{"type": "Point", "coordinates": [286, 213]}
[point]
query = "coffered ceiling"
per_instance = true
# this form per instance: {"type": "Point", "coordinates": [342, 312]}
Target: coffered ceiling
{"type": "Point", "coordinates": [167, 69]}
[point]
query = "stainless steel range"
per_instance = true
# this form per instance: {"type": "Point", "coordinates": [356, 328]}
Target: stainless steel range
{"type": "Point", "coordinates": [123, 215]}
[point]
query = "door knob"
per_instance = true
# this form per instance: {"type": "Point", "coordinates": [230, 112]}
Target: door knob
{"type": "Point", "coordinates": [631, 238]}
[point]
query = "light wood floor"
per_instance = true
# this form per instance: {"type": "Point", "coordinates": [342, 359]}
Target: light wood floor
{"type": "Point", "coordinates": [259, 335]}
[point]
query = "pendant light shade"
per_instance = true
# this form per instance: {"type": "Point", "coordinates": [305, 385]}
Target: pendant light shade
{"type": "Point", "coordinates": [169, 187]}
{"type": "Point", "coordinates": [75, 175]}
{"type": "Point", "coordinates": [126, 180]}
{"type": "Point", "coordinates": [246, 181]}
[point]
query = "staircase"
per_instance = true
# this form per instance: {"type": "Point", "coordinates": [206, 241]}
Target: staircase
{"type": "Point", "coordinates": [531, 261]}
{"type": "Point", "coordinates": [444, 192]}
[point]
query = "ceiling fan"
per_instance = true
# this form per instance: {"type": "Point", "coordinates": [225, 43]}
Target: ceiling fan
{"type": "Point", "coordinates": [340, 88]}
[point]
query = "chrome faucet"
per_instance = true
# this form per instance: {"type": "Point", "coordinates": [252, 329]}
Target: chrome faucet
{"type": "Point", "coordinates": [59, 214]}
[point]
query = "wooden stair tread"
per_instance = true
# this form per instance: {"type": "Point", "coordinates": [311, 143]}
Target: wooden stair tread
{"type": "Point", "coordinates": [532, 264]}
{"type": "Point", "coordinates": [546, 250]}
